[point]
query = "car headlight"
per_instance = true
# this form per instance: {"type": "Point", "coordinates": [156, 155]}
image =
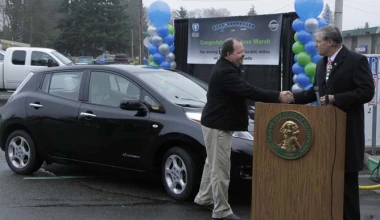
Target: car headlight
{"type": "Point", "coordinates": [243, 135]}
{"type": "Point", "coordinates": [194, 116]}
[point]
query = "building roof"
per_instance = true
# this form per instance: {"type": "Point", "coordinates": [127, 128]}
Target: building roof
{"type": "Point", "coordinates": [361, 31]}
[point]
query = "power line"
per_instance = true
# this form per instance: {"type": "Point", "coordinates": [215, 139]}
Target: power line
{"type": "Point", "coordinates": [358, 9]}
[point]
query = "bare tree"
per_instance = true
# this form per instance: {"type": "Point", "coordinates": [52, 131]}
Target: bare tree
{"type": "Point", "coordinates": [252, 11]}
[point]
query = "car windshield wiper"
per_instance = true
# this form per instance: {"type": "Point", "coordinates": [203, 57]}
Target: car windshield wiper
{"type": "Point", "coordinates": [195, 100]}
{"type": "Point", "coordinates": [188, 105]}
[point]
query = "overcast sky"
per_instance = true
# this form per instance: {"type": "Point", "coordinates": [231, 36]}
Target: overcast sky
{"type": "Point", "coordinates": [355, 12]}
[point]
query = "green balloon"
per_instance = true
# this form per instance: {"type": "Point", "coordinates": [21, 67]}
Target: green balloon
{"type": "Point", "coordinates": [170, 29]}
{"type": "Point", "coordinates": [298, 47]}
{"type": "Point", "coordinates": [310, 69]}
{"type": "Point", "coordinates": [151, 58]}
{"type": "Point", "coordinates": [153, 64]}
{"type": "Point", "coordinates": [303, 58]}
{"type": "Point", "coordinates": [295, 37]}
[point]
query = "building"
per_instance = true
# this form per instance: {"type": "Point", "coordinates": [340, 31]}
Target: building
{"type": "Point", "coordinates": [363, 40]}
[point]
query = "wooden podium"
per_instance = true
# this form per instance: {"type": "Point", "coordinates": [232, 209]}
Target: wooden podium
{"type": "Point", "coordinates": [298, 162]}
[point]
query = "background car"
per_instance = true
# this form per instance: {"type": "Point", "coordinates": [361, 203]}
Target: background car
{"type": "Point", "coordinates": [122, 116]}
{"type": "Point", "coordinates": [121, 58]}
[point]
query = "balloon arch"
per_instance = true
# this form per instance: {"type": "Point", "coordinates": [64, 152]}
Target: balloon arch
{"type": "Point", "coordinates": [306, 56]}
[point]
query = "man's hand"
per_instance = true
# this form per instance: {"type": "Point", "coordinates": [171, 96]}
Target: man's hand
{"type": "Point", "coordinates": [331, 100]}
{"type": "Point", "coordinates": [286, 97]}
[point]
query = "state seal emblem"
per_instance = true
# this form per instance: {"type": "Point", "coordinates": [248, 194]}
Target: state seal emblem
{"type": "Point", "coordinates": [289, 135]}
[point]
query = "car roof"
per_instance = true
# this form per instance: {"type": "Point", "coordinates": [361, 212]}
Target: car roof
{"type": "Point", "coordinates": [133, 69]}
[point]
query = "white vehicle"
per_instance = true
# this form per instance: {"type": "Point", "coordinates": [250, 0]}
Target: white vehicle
{"type": "Point", "coordinates": [17, 62]}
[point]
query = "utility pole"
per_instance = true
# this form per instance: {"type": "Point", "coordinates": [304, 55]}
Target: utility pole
{"type": "Point", "coordinates": [132, 49]}
{"type": "Point", "coordinates": [338, 14]}
{"type": "Point", "coordinates": [140, 31]}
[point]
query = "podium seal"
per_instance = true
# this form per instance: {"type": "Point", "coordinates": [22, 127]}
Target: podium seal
{"type": "Point", "coordinates": [289, 135]}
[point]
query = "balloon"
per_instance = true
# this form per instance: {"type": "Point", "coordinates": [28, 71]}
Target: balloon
{"type": "Point", "coordinates": [296, 88]}
{"type": "Point", "coordinates": [311, 24]}
{"type": "Point", "coordinates": [295, 58]}
{"type": "Point", "coordinates": [310, 48]}
{"type": "Point", "coordinates": [308, 86]}
{"type": "Point", "coordinates": [164, 49]}
{"type": "Point", "coordinates": [298, 47]}
{"type": "Point", "coordinates": [158, 58]}
{"type": "Point", "coordinates": [295, 36]}
{"type": "Point", "coordinates": [295, 78]}
{"type": "Point", "coordinates": [173, 65]}
{"type": "Point", "coordinates": [152, 30]}
{"type": "Point", "coordinates": [153, 64]}
{"type": "Point", "coordinates": [170, 57]}
{"type": "Point", "coordinates": [159, 13]}
{"type": "Point", "coordinates": [170, 29]}
{"type": "Point", "coordinates": [310, 69]}
{"type": "Point", "coordinates": [172, 48]}
{"type": "Point", "coordinates": [304, 36]}
{"type": "Point", "coordinates": [308, 8]}
{"type": "Point", "coordinates": [303, 79]}
{"type": "Point", "coordinates": [297, 69]}
{"type": "Point", "coordinates": [169, 39]}
{"type": "Point", "coordinates": [321, 22]}
{"type": "Point", "coordinates": [151, 58]}
{"type": "Point", "coordinates": [316, 58]}
{"type": "Point", "coordinates": [162, 31]}
{"type": "Point", "coordinates": [157, 40]}
{"type": "Point", "coordinates": [165, 65]}
{"type": "Point", "coordinates": [303, 58]}
{"type": "Point", "coordinates": [152, 49]}
{"type": "Point", "coordinates": [298, 25]}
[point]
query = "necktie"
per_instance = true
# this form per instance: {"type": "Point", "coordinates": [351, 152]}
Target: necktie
{"type": "Point", "coordinates": [328, 69]}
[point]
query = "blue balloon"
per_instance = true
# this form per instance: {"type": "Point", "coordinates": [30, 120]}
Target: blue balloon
{"type": "Point", "coordinates": [158, 58]}
{"type": "Point", "coordinates": [152, 49]}
{"type": "Point", "coordinates": [298, 25]}
{"type": "Point", "coordinates": [310, 48]}
{"type": "Point", "coordinates": [308, 86]}
{"type": "Point", "coordinates": [169, 39]}
{"type": "Point", "coordinates": [295, 58]}
{"type": "Point", "coordinates": [297, 69]}
{"type": "Point", "coordinates": [172, 48]}
{"type": "Point", "coordinates": [162, 31]}
{"type": "Point", "coordinates": [303, 36]}
{"type": "Point", "coordinates": [316, 58]}
{"type": "Point", "coordinates": [159, 13]}
{"type": "Point", "coordinates": [150, 39]}
{"type": "Point", "coordinates": [308, 8]}
{"type": "Point", "coordinates": [303, 79]}
{"type": "Point", "coordinates": [321, 22]}
{"type": "Point", "coordinates": [165, 64]}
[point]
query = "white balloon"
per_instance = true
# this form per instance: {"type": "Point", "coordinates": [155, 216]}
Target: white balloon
{"type": "Point", "coordinates": [170, 57]}
{"type": "Point", "coordinates": [152, 30]}
{"type": "Point", "coordinates": [295, 78]}
{"type": "Point", "coordinates": [296, 88]}
{"type": "Point", "coordinates": [311, 24]}
{"type": "Point", "coordinates": [173, 65]}
{"type": "Point", "coordinates": [164, 49]}
{"type": "Point", "coordinates": [157, 40]}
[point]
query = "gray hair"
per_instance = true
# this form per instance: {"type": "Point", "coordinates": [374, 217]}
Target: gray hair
{"type": "Point", "coordinates": [228, 46]}
{"type": "Point", "coordinates": [332, 33]}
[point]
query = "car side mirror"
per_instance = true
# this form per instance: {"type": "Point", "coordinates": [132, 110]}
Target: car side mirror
{"type": "Point", "coordinates": [134, 105]}
{"type": "Point", "coordinates": [51, 63]}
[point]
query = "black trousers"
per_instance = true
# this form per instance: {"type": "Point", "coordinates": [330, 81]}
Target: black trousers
{"type": "Point", "coordinates": [351, 209]}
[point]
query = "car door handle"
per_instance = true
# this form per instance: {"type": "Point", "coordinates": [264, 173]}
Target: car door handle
{"type": "Point", "coordinates": [35, 105]}
{"type": "Point", "coordinates": [85, 114]}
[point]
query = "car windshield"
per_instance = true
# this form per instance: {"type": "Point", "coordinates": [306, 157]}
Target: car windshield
{"type": "Point", "coordinates": [62, 58]}
{"type": "Point", "coordinates": [176, 88]}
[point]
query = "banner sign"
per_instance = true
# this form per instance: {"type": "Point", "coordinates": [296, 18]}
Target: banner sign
{"type": "Point", "coordinates": [260, 36]}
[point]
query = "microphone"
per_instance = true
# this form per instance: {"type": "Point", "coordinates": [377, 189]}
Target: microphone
{"type": "Point", "coordinates": [316, 90]}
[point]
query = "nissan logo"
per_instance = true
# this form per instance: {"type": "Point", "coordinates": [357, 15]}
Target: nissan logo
{"type": "Point", "coordinates": [273, 25]}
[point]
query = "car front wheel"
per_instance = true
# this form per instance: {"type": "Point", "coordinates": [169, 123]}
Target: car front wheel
{"type": "Point", "coordinates": [180, 173]}
{"type": "Point", "coordinates": [21, 153]}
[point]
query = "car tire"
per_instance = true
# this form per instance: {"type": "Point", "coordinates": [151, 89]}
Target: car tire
{"type": "Point", "coordinates": [180, 172]}
{"type": "Point", "coordinates": [21, 153]}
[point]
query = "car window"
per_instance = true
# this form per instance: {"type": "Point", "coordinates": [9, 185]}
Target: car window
{"type": "Point", "coordinates": [1, 57]}
{"type": "Point", "coordinates": [152, 104]}
{"type": "Point", "coordinates": [41, 59]}
{"type": "Point", "coordinates": [18, 57]}
{"type": "Point", "coordinates": [110, 89]}
{"type": "Point", "coordinates": [65, 84]}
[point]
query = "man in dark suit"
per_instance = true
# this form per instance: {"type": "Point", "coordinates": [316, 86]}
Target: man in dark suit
{"type": "Point", "coordinates": [346, 78]}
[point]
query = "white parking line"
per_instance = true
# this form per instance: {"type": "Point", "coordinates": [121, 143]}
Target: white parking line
{"type": "Point", "coordinates": [57, 177]}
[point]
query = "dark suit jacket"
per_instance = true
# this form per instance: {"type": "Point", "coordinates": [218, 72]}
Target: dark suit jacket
{"type": "Point", "coordinates": [226, 98]}
{"type": "Point", "coordinates": [352, 85]}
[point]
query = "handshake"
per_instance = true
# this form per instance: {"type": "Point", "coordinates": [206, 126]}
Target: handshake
{"type": "Point", "coordinates": [286, 97]}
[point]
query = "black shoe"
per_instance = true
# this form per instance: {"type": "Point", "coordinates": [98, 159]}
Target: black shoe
{"type": "Point", "coordinates": [229, 217]}
{"type": "Point", "coordinates": [208, 207]}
